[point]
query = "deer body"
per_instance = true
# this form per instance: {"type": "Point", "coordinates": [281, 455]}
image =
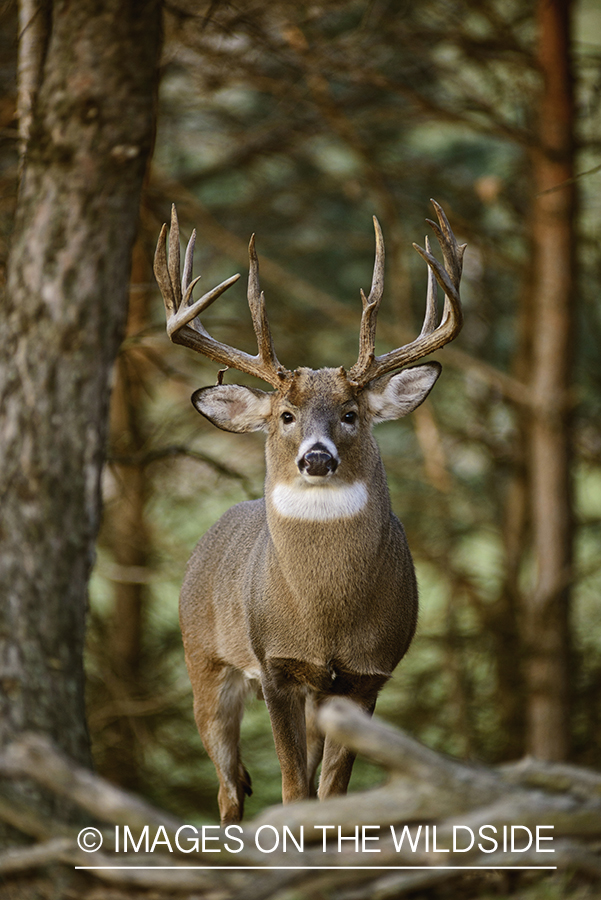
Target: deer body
{"type": "Point", "coordinates": [310, 591]}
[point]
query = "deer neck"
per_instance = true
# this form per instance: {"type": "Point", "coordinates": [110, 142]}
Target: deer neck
{"type": "Point", "coordinates": [324, 534]}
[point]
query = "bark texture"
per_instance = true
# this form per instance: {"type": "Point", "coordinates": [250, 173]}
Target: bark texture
{"type": "Point", "coordinates": [553, 312]}
{"type": "Point", "coordinates": [90, 138]}
{"type": "Point", "coordinates": [34, 31]}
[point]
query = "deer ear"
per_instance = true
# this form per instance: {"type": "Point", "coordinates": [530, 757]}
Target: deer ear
{"type": "Point", "coordinates": [234, 407]}
{"type": "Point", "coordinates": [393, 396]}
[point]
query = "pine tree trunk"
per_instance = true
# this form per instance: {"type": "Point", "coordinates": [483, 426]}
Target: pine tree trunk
{"type": "Point", "coordinates": [126, 534]}
{"type": "Point", "coordinates": [90, 139]}
{"type": "Point", "coordinates": [553, 325]}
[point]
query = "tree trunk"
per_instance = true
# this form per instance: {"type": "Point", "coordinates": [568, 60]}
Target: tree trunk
{"type": "Point", "coordinates": [90, 138]}
{"type": "Point", "coordinates": [126, 534]}
{"type": "Point", "coordinates": [504, 625]}
{"type": "Point", "coordinates": [553, 321]}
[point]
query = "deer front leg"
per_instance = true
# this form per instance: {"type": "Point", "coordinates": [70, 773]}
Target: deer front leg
{"type": "Point", "coordinates": [338, 761]}
{"type": "Point", "coordinates": [336, 770]}
{"type": "Point", "coordinates": [286, 704]}
{"type": "Point", "coordinates": [315, 742]}
{"type": "Point", "coordinates": [219, 694]}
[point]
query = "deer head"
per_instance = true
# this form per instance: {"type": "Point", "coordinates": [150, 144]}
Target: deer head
{"type": "Point", "coordinates": [317, 421]}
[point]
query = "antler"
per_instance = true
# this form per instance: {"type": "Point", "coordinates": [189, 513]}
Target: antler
{"type": "Point", "coordinates": [431, 338]}
{"type": "Point", "coordinates": [184, 326]}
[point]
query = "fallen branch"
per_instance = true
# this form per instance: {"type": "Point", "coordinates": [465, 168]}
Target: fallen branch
{"type": "Point", "coordinates": [36, 757]}
{"type": "Point", "coordinates": [435, 818]}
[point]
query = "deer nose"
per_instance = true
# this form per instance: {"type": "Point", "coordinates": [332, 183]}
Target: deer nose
{"type": "Point", "coordinates": [317, 461]}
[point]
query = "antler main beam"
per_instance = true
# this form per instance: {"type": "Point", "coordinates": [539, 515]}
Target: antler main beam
{"type": "Point", "coordinates": [432, 337]}
{"type": "Point", "coordinates": [184, 326]}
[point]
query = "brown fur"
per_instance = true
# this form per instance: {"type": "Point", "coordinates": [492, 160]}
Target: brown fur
{"type": "Point", "coordinates": [297, 609]}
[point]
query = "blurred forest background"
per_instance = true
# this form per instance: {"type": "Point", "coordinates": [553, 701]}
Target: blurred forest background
{"type": "Point", "coordinates": [299, 122]}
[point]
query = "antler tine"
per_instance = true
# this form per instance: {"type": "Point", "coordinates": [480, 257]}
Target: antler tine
{"type": "Point", "coordinates": [161, 273]}
{"type": "Point", "coordinates": [258, 312]}
{"type": "Point", "coordinates": [173, 263]}
{"type": "Point", "coordinates": [432, 337]}
{"type": "Point", "coordinates": [452, 251]}
{"type": "Point", "coordinates": [431, 315]}
{"type": "Point", "coordinates": [448, 277]}
{"type": "Point", "coordinates": [188, 263]}
{"type": "Point", "coordinates": [371, 305]}
{"type": "Point", "coordinates": [181, 313]}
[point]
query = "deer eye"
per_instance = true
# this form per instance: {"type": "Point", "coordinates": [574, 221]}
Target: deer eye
{"type": "Point", "coordinates": [349, 418]}
{"type": "Point", "coordinates": [287, 418]}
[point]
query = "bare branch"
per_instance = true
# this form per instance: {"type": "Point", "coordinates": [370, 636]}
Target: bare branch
{"type": "Point", "coordinates": [36, 756]}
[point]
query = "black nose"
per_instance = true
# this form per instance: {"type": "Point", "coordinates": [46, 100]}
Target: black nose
{"type": "Point", "coordinates": [317, 461]}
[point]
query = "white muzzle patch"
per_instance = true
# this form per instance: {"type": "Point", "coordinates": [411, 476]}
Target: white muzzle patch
{"type": "Point", "coordinates": [319, 502]}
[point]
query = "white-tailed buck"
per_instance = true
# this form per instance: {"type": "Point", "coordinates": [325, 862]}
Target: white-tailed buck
{"type": "Point", "coordinates": [310, 591]}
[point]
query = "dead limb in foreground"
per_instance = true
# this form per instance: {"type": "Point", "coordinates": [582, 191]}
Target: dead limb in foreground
{"type": "Point", "coordinates": [424, 788]}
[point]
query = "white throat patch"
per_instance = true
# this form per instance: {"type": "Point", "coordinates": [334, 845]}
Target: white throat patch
{"type": "Point", "coordinates": [318, 503]}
